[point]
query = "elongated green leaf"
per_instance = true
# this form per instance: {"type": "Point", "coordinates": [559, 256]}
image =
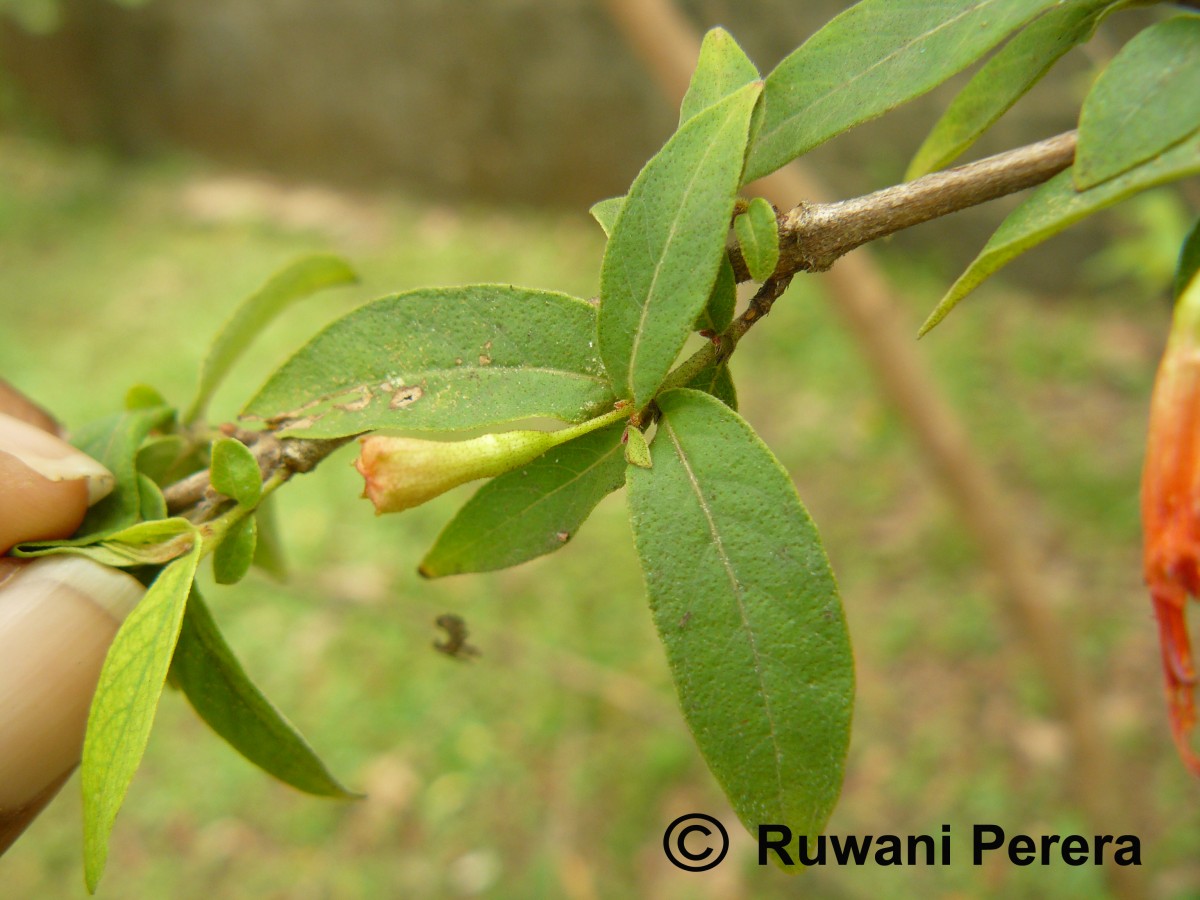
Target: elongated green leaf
{"type": "Point", "coordinates": [235, 553]}
{"type": "Point", "coordinates": [871, 58]}
{"type": "Point", "coordinates": [123, 708]}
{"type": "Point", "coordinates": [114, 441]}
{"type": "Point", "coordinates": [747, 608]}
{"type": "Point", "coordinates": [298, 280]}
{"type": "Point", "coordinates": [1056, 205]}
{"type": "Point", "coordinates": [722, 69]}
{"type": "Point", "coordinates": [716, 380]}
{"type": "Point", "coordinates": [1146, 100]}
{"type": "Point", "coordinates": [530, 511]}
{"type": "Point", "coordinates": [144, 544]}
{"type": "Point", "coordinates": [440, 359]}
{"type": "Point", "coordinates": [224, 696]}
{"type": "Point", "coordinates": [235, 472]}
{"type": "Point", "coordinates": [662, 258]}
{"type": "Point", "coordinates": [1189, 260]}
{"type": "Point", "coordinates": [1005, 79]}
{"type": "Point", "coordinates": [758, 235]}
{"type": "Point", "coordinates": [606, 211]}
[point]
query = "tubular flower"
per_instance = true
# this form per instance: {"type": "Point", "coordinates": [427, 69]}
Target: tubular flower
{"type": "Point", "coordinates": [1171, 512]}
{"type": "Point", "coordinates": [402, 473]}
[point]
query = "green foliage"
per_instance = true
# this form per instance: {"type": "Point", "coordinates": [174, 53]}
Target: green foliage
{"type": "Point", "coordinates": [741, 592]}
{"type": "Point", "coordinates": [662, 257]}
{"type": "Point", "coordinates": [873, 57]}
{"type": "Point", "coordinates": [718, 311]}
{"type": "Point", "coordinates": [297, 281]}
{"type": "Point", "coordinates": [637, 451]}
{"type": "Point", "coordinates": [1144, 102]}
{"type": "Point", "coordinates": [722, 69]}
{"type": "Point", "coordinates": [441, 359]}
{"type": "Point", "coordinates": [746, 606]}
{"type": "Point", "coordinates": [758, 236]}
{"type": "Point", "coordinates": [1005, 79]}
{"type": "Point", "coordinates": [233, 557]}
{"type": "Point", "coordinates": [123, 708]}
{"type": "Point", "coordinates": [532, 510]}
{"type": "Point", "coordinates": [224, 696]}
{"type": "Point", "coordinates": [115, 442]}
{"type": "Point", "coordinates": [235, 472]}
{"type": "Point", "coordinates": [1055, 206]}
{"type": "Point", "coordinates": [1189, 260]}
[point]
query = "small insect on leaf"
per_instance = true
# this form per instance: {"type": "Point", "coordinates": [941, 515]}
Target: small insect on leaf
{"type": "Point", "coordinates": [455, 645]}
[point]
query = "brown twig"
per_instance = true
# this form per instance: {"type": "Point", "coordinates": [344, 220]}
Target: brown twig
{"type": "Point", "coordinates": [195, 497]}
{"type": "Point", "coordinates": [812, 236]}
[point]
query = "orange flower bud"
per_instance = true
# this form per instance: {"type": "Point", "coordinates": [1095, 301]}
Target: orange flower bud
{"type": "Point", "coordinates": [1171, 512]}
{"type": "Point", "coordinates": [58, 615]}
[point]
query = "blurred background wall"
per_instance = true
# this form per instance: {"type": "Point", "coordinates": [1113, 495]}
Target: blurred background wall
{"type": "Point", "coordinates": [526, 101]}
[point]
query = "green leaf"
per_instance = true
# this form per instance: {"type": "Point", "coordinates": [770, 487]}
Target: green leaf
{"type": "Point", "coordinates": [224, 696]}
{"type": "Point", "coordinates": [441, 359]}
{"type": "Point", "coordinates": [722, 69]}
{"type": "Point", "coordinates": [142, 396]}
{"type": "Point", "coordinates": [268, 548]}
{"type": "Point", "coordinates": [871, 58]}
{"type": "Point", "coordinates": [296, 281]}
{"type": "Point", "coordinates": [153, 505]}
{"type": "Point", "coordinates": [1004, 79]}
{"type": "Point", "coordinates": [123, 707]}
{"type": "Point", "coordinates": [235, 553]}
{"type": "Point", "coordinates": [747, 608]}
{"type": "Point", "coordinates": [637, 451]}
{"type": "Point", "coordinates": [530, 511]}
{"type": "Point", "coordinates": [758, 235]}
{"type": "Point", "coordinates": [144, 544]}
{"type": "Point", "coordinates": [1056, 205]}
{"type": "Point", "coordinates": [716, 380]}
{"type": "Point", "coordinates": [159, 456]}
{"type": "Point", "coordinates": [718, 311]}
{"type": "Point", "coordinates": [606, 211]}
{"type": "Point", "coordinates": [235, 472]}
{"type": "Point", "coordinates": [1146, 100]}
{"type": "Point", "coordinates": [114, 441]}
{"type": "Point", "coordinates": [662, 258]}
{"type": "Point", "coordinates": [1189, 260]}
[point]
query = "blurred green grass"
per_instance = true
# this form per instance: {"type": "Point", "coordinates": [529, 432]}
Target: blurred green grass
{"type": "Point", "coordinates": [550, 766]}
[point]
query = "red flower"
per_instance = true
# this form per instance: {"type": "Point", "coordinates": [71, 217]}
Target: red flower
{"type": "Point", "coordinates": [1171, 512]}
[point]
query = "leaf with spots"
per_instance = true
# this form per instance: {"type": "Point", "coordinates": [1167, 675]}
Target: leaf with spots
{"type": "Point", "coordinates": [747, 608]}
{"type": "Point", "coordinates": [441, 359]}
